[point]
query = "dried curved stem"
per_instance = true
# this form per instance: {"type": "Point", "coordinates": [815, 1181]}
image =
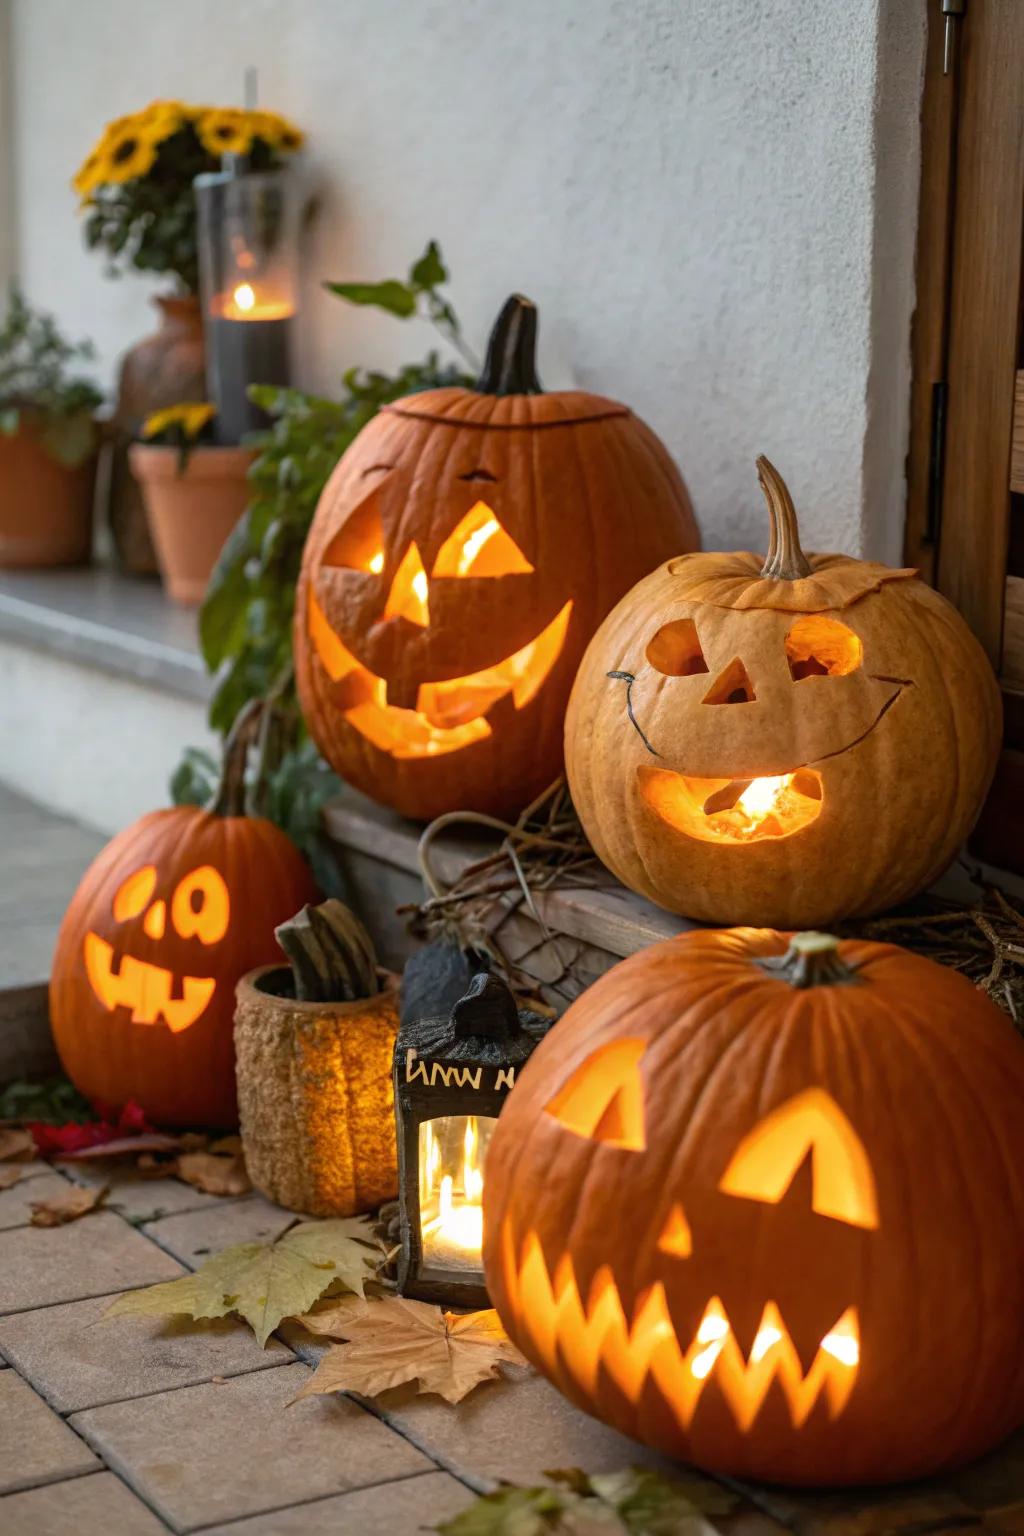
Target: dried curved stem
{"type": "Point", "coordinates": [785, 560]}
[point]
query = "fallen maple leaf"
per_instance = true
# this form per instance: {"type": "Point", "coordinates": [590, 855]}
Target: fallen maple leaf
{"type": "Point", "coordinates": [119, 1146]}
{"type": "Point", "coordinates": [228, 1145]}
{"type": "Point", "coordinates": [75, 1202]}
{"type": "Point", "coordinates": [214, 1175]}
{"type": "Point", "coordinates": [640, 1502]}
{"type": "Point", "coordinates": [394, 1341]}
{"type": "Point", "coordinates": [16, 1144]}
{"type": "Point", "coordinates": [9, 1176]}
{"type": "Point", "coordinates": [265, 1282]}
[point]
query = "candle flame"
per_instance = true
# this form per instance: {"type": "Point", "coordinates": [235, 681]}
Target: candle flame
{"type": "Point", "coordinates": [761, 796]}
{"type": "Point", "coordinates": [457, 1196]}
{"type": "Point", "coordinates": [244, 297]}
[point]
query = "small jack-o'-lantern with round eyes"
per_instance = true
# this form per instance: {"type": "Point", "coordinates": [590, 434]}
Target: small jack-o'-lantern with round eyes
{"type": "Point", "coordinates": [463, 553]}
{"type": "Point", "coordinates": [791, 743]}
{"type": "Point", "coordinates": [762, 1208]}
{"type": "Point", "coordinates": [168, 917]}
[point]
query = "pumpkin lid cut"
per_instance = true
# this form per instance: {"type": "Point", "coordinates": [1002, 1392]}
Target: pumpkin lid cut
{"type": "Point", "coordinates": [508, 394]}
{"type": "Point", "coordinates": [787, 579]}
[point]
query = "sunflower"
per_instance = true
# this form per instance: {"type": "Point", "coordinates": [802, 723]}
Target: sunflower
{"type": "Point", "coordinates": [277, 131]}
{"type": "Point", "coordinates": [127, 153]}
{"type": "Point", "coordinates": [225, 131]}
{"type": "Point", "coordinates": [187, 420]}
{"type": "Point", "coordinates": [86, 179]}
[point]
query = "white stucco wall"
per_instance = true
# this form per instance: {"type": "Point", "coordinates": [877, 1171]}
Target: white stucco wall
{"type": "Point", "coordinates": [713, 202]}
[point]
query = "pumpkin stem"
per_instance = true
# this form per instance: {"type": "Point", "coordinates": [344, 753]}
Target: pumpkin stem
{"type": "Point", "coordinates": [785, 560]}
{"type": "Point", "coordinates": [812, 960]}
{"type": "Point", "coordinates": [331, 954]}
{"type": "Point", "coordinates": [510, 367]}
{"type": "Point", "coordinates": [230, 799]}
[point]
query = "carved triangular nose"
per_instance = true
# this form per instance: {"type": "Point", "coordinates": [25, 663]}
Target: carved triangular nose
{"type": "Point", "coordinates": [731, 686]}
{"type": "Point", "coordinates": [408, 596]}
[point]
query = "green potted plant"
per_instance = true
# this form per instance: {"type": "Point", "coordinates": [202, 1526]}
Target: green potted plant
{"type": "Point", "coordinates": [194, 493]}
{"type": "Point", "coordinates": [48, 441]}
{"type": "Point", "coordinates": [138, 207]}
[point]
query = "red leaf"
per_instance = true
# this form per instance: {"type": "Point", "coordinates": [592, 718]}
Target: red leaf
{"type": "Point", "coordinates": [110, 1126]}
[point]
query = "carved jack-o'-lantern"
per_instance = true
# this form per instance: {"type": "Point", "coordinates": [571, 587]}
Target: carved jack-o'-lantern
{"type": "Point", "coordinates": [164, 922]}
{"type": "Point", "coordinates": [464, 551]}
{"type": "Point", "coordinates": [764, 1210]}
{"type": "Point", "coordinates": [787, 744]}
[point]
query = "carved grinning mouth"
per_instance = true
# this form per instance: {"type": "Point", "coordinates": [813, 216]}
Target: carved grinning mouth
{"type": "Point", "coordinates": [450, 714]}
{"type": "Point", "coordinates": [579, 1341]}
{"type": "Point", "coordinates": [144, 988]}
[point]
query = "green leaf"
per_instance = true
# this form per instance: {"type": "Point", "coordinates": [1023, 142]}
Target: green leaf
{"type": "Point", "coordinates": [636, 1502]}
{"type": "Point", "coordinates": [430, 271]}
{"type": "Point", "coordinates": [68, 439]}
{"type": "Point", "coordinates": [222, 615]}
{"type": "Point", "coordinates": [194, 780]}
{"type": "Point", "coordinates": [397, 298]}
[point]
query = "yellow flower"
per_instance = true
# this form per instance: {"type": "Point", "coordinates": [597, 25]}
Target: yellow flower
{"type": "Point", "coordinates": [128, 152]}
{"type": "Point", "coordinates": [277, 131]}
{"type": "Point", "coordinates": [87, 178]}
{"type": "Point", "coordinates": [190, 417]}
{"type": "Point", "coordinates": [225, 131]}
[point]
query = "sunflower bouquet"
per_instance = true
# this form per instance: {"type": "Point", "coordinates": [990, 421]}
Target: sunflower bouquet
{"type": "Point", "coordinates": [136, 183]}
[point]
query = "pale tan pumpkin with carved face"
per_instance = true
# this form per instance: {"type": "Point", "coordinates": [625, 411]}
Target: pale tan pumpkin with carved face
{"type": "Point", "coordinates": [791, 744]}
{"type": "Point", "coordinates": [739, 1206]}
{"type": "Point", "coordinates": [464, 551]}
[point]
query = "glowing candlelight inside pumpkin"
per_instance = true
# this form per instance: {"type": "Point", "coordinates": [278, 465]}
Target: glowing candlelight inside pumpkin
{"type": "Point", "coordinates": [761, 796]}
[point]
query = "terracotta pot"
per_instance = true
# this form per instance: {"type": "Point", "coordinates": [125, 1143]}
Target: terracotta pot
{"type": "Point", "coordinates": [191, 511]}
{"type": "Point", "coordinates": [45, 507]}
{"type": "Point", "coordinates": [315, 1096]}
{"type": "Point", "coordinates": [162, 369]}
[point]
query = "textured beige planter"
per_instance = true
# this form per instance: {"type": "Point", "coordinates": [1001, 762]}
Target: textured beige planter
{"type": "Point", "coordinates": [190, 511]}
{"type": "Point", "coordinates": [315, 1096]}
{"type": "Point", "coordinates": [45, 507]}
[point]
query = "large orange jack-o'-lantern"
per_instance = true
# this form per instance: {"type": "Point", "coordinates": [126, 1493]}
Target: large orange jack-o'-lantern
{"type": "Point", "coordinates": [764, 1209]}
{"type": "Point", "coordinates": [166, 919]}
{"type": "Point", "coordinates": [788, 743]}
{"type": "Point", "coordinates": [463, 553]}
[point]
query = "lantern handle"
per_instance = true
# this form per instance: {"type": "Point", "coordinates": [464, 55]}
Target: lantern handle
{"type": "Point", "coordinates": [785, 560]}
{"type": "Point", "coordinates": [510, 367]}
{"type": "Point", "coordinates": [487, 1008]}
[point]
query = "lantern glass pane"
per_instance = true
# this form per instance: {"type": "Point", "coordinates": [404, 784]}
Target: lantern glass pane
{"type": "Point", "coordinates": [452, 1149]}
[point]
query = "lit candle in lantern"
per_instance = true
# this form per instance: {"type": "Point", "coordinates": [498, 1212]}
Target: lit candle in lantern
{"type": "Point", "coordinates": [248, 261]}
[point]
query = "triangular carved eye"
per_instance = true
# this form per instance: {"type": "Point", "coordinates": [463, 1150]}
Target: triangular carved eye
{"type": "Point", "coordinates": [358, 544]}
{"type": "Point", "coordinates": [675, 651]}
{"type": "Point", "coordinates": [818, 646]}
{"type": "Point", "coordinates": [603, 1099]}
{"type": "Point", "coordinates": [479, 546]}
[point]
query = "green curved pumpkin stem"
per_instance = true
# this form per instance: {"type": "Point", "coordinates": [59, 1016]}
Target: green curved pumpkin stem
{"type": "Point", "coordinates": [230, 798]}
{"type": "Point", "coordinates": [812, 960]}
{"type": "Point", "coordinates": [785, 560]}
{"type": "Point", "coordinates": [510, 367]}
{"type": "Point", "coordinates": [331, 954]}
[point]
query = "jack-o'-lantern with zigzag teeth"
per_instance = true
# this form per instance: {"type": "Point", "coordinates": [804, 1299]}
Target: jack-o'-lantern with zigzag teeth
{"type": "Point", "coordinates": [464, 551]}
{"type": "Point", "coordinates": [763, 1208]}
{"type": "Point", "coordinates": [788, 743]}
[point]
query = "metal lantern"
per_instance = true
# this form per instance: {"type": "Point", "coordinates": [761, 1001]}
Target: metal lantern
{"type": "Point", "coordinates": [452, 1075]}
{"type": "Point", "coordinates": [248, 278]}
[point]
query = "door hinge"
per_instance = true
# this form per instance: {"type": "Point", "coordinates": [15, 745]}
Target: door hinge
{"type": "Point", "coordinates": [936, 461]}
{"type": "Point", "coordinates": [952, 11]}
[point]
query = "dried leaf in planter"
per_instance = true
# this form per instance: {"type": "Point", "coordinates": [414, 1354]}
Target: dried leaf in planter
{"type": "Point", "coordinates": [16, 1144]}
{"type": "Point", "coordinates": [637, 1502]}
{"type": "Point", "coordinates": [395, 1341]}
{"type": "Point", "coordinates": [75, 1202]}
{"type": "Point", "coordinates": [264, 1282]}
{"type": "Point", "coordinates": [214, 1175]}
{"type": "Point", "coordinates": [9, 1176]}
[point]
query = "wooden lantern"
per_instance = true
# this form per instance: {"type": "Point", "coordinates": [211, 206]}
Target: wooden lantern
{"type": "Point", "coordinates": [463, 553]}
{"type": "Point", "coordinates": [762, 1208]}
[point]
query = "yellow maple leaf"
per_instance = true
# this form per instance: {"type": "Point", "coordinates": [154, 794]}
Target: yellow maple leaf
{"type": "Point", "coordinates": [393, 1340]}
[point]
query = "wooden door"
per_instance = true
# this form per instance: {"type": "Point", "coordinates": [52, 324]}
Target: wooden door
{"type": "Point", "coordinates": [965, 513]}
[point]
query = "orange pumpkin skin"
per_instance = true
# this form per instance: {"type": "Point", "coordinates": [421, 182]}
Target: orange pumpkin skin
{"type": "Point", "coordinates": [894, 730]}
{"type": "Point", "coordinates": [911, 1085]}
{"type": "Point", "coordinates": [179, 1068]}
{"type": "Point", "coordinates": [587, 500]}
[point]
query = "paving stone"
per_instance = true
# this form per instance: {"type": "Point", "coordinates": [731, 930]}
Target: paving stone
{"type": "Point", "coordinates": [76, 1360]}
{"type": "Point", "coordinates": [16, 1202]}
{"type": "Point", "coordinates": [223, 1450]}
{"type": "Point", "coordinates": [194, 1235]}
{"type": "Point", "coordinates": [512, 1429]}
{"type": "Point", "coordinates": [867, 1512]}
{"type": "Point", "coordinates": [96, 1256]}
{"type": "Point", "coordinates": [98, 1505]}
{"type": "Point", "coordinates": [136, 1197]}
{"type": "Point", "coordinates": [392, 1509]}
{"type": "Point", "coordinates": [36, 1446]}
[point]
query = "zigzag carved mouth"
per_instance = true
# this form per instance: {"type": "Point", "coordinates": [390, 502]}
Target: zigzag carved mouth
{"type": "Point", "coordinates": [581, 1341]}
{"type": "Point", "coordinates": [144, 988]}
